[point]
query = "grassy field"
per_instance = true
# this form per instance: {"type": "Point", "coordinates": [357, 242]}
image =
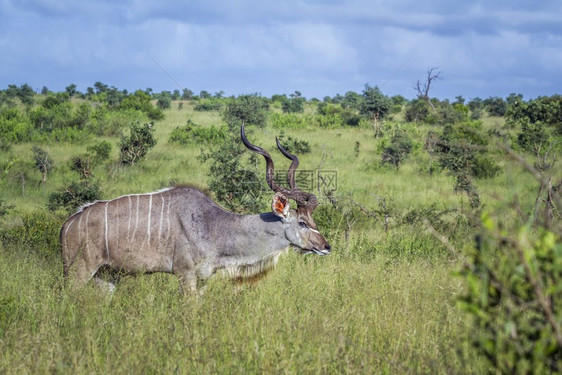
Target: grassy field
{"type": "Point", "coordinates": [383, 302]}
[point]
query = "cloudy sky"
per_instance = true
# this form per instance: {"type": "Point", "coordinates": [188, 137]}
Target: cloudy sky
{"type": "Point", "coordinates": [318, 47]}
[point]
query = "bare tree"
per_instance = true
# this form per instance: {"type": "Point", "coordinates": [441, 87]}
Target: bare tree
{"type": "Point", "coordinates": [423, 89]}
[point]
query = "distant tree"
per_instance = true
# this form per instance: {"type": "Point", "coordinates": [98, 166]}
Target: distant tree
{"type": "Point", "coordinates": [219, 94]}
{"type": "Point", "coordinates": [352, 100]}
{"type": "Point", "coordinates": [375, 105]}
{"type": "Point", "coordinates": [101, 151]}
{"type": "Point", "coordinates": [176, 95]}
{"type": "Point", "coordinates": [186, 94]}
{"type": "Point", "coordinates": [136, 146]}
{"type": "Point", "coordinates": [204, 94]}
{"type": "Point", "coordinates": [164, 102]}
{"type": "Point", "coordinates": [423, 88]}
{"type": "Point", "coordinates": [495, 106]}
{"type": "Point", "coordinates": [294, 104]}
{"type": "Point", "coordinates": [43, 162]}
{"type": "Point", "coordinates": [44, 90]}
{"type": "Point", "coordinates": [100, 87]}
{"type": "Point", "coordinates": [71, 90]}
{"type": "Point", "coordinates": [140, 100]}
{"type": "Point", "coordinates": [247, 109]}
{"type": "Point", "coordinates": [26, 94]}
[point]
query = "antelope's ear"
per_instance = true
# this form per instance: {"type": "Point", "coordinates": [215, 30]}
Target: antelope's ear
{"type": "Point", "coordinates": [280, 205]}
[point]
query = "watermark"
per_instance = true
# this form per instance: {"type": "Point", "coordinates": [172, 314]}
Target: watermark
{"type": "Point", "coordinates": [320, 182]}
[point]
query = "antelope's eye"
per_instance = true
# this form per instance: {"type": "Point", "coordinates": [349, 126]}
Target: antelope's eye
{"type": "Point", "coordinates": [303, 224]}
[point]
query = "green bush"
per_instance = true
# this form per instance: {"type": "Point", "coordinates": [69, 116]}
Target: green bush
{"type": "Point", "coordinates": [192, 132]}
{"type": "Point", "coordinates": [38, 233]}
{"type": "Point", "coordinates": [101, 151]}
{"type": "Point", "coordinates": [15, 126]}
{"type": "Point", "coordinates": [289, 120]}
{"type": "Point", "coordinates": [515, 299]}
{"type": "Point", "coordinates": [135, 147]}
{"type": "Point", "coordinates": [207, 105]}
{"type": "Point", "coordinates": [70, 197]}
{"type": "Point", "coordinates": [293, 145]}
{"type": "Point", "coordinates": [141, 101]}
{"type": "Point", "coordinates": [399, 148]}
{"type": "Point", "coordinates": [247, 109]}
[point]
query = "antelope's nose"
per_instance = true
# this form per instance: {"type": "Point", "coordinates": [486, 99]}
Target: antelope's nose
{"type": "Point", "coordinates": [327, 248]}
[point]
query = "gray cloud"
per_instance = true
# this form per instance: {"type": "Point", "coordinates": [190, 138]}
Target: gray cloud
{"type": "Point", "coordinates": [317, 47]}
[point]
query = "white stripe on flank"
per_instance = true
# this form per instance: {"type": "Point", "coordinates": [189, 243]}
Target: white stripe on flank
{"type": "Point", "coordinates": [149, 215]}
{"type": "Point", "coordinates": [80, 231]}
{"type": "Point", "coordinates": [161, 218]}
{"type": "Point", "coordinates": [118, 224]}
{"type": "Point", "coordinates": [106, 243]}
{"type": "Point", "coordinates": [137, 220]}
{"type": "Point", "coordinates": [168, 216]}
{"type": "Point", "coordinates": [130, 214]}
{"type": "Point", "coordinates": [87, 234]}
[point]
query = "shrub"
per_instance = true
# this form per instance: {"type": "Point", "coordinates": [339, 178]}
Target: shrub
{"type": "Point", "coordinates": [293, 145]}
{"type": "Point", "coordinates": [15, 126]}
{"type": "Point", "coordinates": [39, 232]}
{"type": "Point", "coordinates": [514, 297]}
{"type": "Point", "coordinates": [192, 132]}
{"type": "Point", "coordinates": [294, 104]}
{"type": "Point", "coordinates": [70, 197]}
{"type": "Point", "coordinates": [247, 109]}
{"type": "Point", "coordinates": [164, 102]}
{"type": "Point", "coordinates": [236, 185]}
{"type": "Point", "coordinates": [101, 151]}
{"type": "Point", "coordinates": [399, 148]}
{"type": "Point", "coordinates": [43, 162]}
{"type": "Point", "coordinates": [136, 146]}
{"type": "Point", "coordinates": [289, 120]}
{"type": "Point", "coordinates": [141, 101]}
{"type": "Point", "coordinates": [208, 105]}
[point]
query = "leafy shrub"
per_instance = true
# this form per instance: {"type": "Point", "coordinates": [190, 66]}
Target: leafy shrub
{"type": "Point", "coordinates": [333, 115]}
{"type": "Point", "coordinates": [136, 146]}
{"type": "Point", "coordinates": [141, 101]}
{"type": "Point", "coordinates": [418, 110]}
{"type": "Point", "coordinates": [247, 109]}
{"type": "Point", "coordinates": [294, 104]}
{"type": "Point", "coordinates": [39, 232]}
{"type": "Point", "coordinates": [15, 126]}
{"type": "Point", "coordinates": [70, 197]}
{"type": "Point", "coordinates": [164, 102]}
{"type": "Point", "coordinates": [374, 104]}
{"type": "Point", "coordinates": [399, 148]}
{"type": "Point", "coordinates": [514, 297]}
{"type": "Point", "coordinates": [289, 120]}
{"type": "Point", "coordinates": [208, 105]}
{"type": "Point", "coordinates": [192, 132]}
{"type": "Point", "coordinates": [293, 145]}
{"type": "Point", "coordinates": [43, 162]}
{"type": "Point", "coordinates": [100, 150]}
{"type": "Point", "coordinates": [236, 185]}
{"type": "Point", "coordinates": [82, 164]}
{"type": "Point", "coordinates": [112, 122]}
{"type": "Point", "coordinates": [495, 106]}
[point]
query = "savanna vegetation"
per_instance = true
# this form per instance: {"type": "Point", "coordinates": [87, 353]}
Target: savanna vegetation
{"type": "Point", "coordinates": [444, 220]}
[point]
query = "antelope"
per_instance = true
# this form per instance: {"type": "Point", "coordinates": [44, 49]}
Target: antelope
{"type": "Point", "coordinates": [181, 231]}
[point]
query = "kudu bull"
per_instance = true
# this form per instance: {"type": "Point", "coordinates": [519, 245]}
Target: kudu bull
{"type": "Point", "coordinates": [182, 231]}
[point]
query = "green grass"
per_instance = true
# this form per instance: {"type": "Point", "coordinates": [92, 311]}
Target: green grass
{"type": "Point", "coordinates": [337, 314]}
{"type": "Point", "coordinates": [384, 302]}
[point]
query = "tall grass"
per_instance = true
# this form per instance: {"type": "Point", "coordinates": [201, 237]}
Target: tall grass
{"type": "Point", "coordinates": [338, 314]}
